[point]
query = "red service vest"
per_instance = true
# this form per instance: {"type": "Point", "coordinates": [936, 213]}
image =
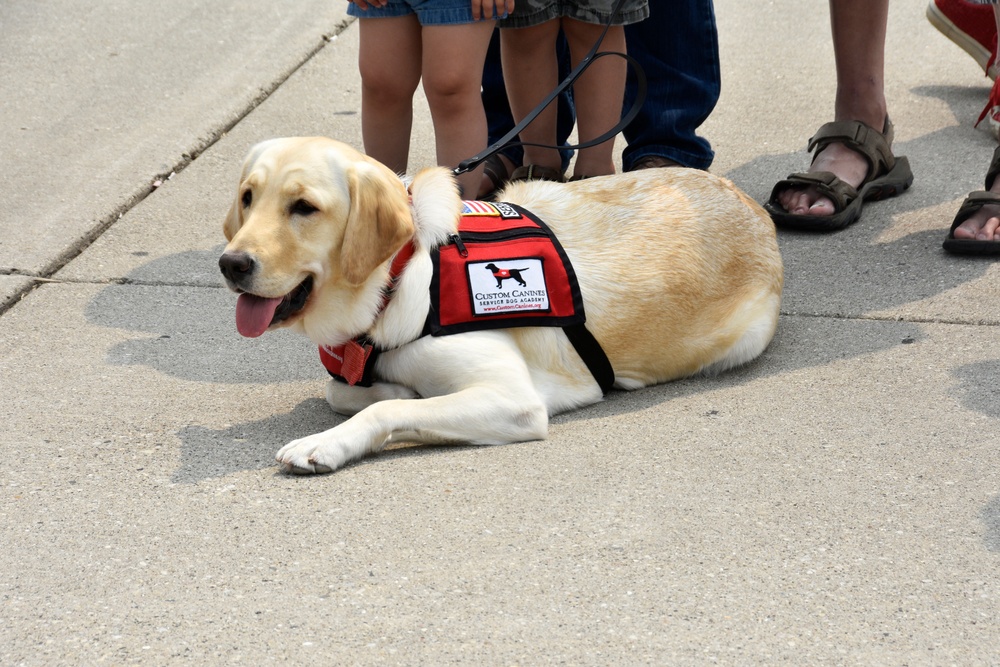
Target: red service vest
{"type": "Point", "coordinates": [504, 268]}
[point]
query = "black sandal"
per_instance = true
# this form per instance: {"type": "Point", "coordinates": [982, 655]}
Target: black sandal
{"type": "Point", "coordinates": [972, 203]}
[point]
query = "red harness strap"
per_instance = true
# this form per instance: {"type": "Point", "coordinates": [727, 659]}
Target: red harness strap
{"type": "Point", "coordinates": [353, 361]}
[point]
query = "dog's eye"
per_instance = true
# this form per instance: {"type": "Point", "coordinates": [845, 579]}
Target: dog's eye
{"type": "Point", "coordinates": [247, 198]}
{"type": "Point", "coordinates": [302, 207]}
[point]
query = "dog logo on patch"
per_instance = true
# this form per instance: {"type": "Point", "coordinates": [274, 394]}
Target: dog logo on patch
{"type": "Point", "coordinates": [508, 286]}
{"type": "Point", "coordinates": [505, 274]}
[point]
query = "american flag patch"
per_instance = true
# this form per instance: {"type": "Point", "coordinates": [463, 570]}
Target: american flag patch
{"type": "Point", "coordinates": [478, 208]}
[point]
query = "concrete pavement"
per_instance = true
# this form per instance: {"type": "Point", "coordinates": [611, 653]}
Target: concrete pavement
{"type": "Point", "coordinates": [837, 502]}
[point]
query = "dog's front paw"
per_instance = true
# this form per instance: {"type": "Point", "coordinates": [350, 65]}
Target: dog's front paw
{"type": "Point", "coordinates": [308, 456]}
{"type": "Point", "coordinates": [322, 452]}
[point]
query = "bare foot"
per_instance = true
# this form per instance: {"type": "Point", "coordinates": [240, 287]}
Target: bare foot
{"type": "Point", "coordinates": [983, 225]}
{"type": "Point", "coordinates": [850, 166]}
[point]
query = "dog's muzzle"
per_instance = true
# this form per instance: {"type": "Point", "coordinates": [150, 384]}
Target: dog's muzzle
{"type": "Point", "coordinates": [237, 267]}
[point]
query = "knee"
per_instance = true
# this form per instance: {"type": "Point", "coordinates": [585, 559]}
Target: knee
{"type": "Point", "coordinates": [380, 84]}
{"type": "Point", "coordinates": [451, 90]}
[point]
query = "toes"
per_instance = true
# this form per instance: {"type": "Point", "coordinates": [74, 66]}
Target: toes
{"type": "Point", "coordinates": [295, 470]}
{"type": "Point", "coordinates": [794, 201]}
{"type": "Point", "coordinates": [321, 469]}
{"type": "Point", "coordinates": [295, 459]}
{"type": "Point", "coordinates": [966, 230]}
{"type": "Point", "coordinates": [291, 466]}
{"type": "Point", "coordinates": [306, 458]}
{"type": "Point", "coordinates": [822, 206]}
{"type": "Point", "coordinates": [806, 202]}
{"type": "Point", "coordinates": [976, 228]}
{"type": "Point", "coordinates": [990, 230]}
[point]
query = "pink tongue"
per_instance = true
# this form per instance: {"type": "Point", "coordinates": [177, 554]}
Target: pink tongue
{"type": "Point", "coordinates": [253, 314]}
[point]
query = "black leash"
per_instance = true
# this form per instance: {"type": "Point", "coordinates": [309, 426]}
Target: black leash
{"type": "Point", "coordinates": [508, 139]}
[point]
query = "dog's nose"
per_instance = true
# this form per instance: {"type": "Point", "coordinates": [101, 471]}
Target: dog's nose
{"type": "Point", "coordinates": [236, 265]}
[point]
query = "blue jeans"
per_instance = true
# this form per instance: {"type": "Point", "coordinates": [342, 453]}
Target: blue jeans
{"type": "Point", "coordinates": [678, 48]}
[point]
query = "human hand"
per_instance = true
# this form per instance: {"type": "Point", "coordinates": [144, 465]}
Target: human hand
{"type": "Point", "coordinates": [365, 4]}
{"type": "Point", "coordinates": [491, 9]}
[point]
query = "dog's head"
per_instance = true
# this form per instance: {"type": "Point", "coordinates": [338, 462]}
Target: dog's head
{"type": "Point", "coordinates": [313, 221]}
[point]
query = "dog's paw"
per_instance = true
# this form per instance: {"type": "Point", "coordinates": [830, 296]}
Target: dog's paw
{"type": "Point", "coordinates": [324, 452]}
{"type": "Point", "coordinates": [308, 456]}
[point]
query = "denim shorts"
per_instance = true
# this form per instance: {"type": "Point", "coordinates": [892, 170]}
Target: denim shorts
{"type": "Point", "coordinates": [528, 13]}
{"type": "Point", "coordinates": [429, 12]}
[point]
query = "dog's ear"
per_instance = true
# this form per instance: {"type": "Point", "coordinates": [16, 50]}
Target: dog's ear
{"type": "Point", "coordinates": [378, 224]}
{"type": "Point", "coordinates": [232, 223]}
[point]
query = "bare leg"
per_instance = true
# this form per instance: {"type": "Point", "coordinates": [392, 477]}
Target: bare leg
{"type": "Point", "coordinates": [452, 69]}
{"type": "Point", "coordinates": [984, 224]}
{"type": "Point", "coordinates": [389, 61]}
{"type": "Point", "coordinates": [598, 93]}
{"type": "Point", "coordinates": [858, 28]}
{"type": "Point", "coordinates": [530, 72]}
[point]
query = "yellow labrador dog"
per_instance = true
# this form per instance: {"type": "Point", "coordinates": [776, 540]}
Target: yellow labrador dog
{"type": "Point", "coordinates": [679, 273]}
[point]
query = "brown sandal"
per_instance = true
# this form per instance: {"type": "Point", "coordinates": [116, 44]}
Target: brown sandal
{"type": "Point", "coordinates": [534, 172]}
{"type": "Point", "coordinates": [495, 169]}
{"type": "Point", "coordinates": [888, 176]}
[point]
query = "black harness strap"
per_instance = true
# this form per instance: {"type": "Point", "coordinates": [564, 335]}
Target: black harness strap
{"type": "Point", "coordinates": [593, 355]}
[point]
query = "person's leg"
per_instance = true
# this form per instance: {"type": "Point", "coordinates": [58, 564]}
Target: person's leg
{"type": "Point", "coordinates": [984, 224]}
{"type": "Point", "coordinates": [389, 61]}
{"type": "Point", "coordinates": [597, 93]}
{"type": "Point", "coordinates": [678, 48]}
{"type": "Point", "coordinates": [530, 73]}
{"type": "Point", "coordinates": [500, 120]}
{"type": "Point", "coordinates": [452, 66]}
{"type": "Point", "coordinates": [858, 28]}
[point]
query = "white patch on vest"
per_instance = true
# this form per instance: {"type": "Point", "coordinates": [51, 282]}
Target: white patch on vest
{"type": "Point", "coordinates": [506, 210]}
{"type": "Point", "coordinates": [508, 286]}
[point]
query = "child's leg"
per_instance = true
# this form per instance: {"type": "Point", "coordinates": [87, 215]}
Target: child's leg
{"type": "Point", "coordinates": [598, 93]}
{"type": "Point", "coordinates": [389, 61]}
{"type": "Point", "coordinates": [530, 73]}
{"type": "Point", "coordinates": [453, 58]}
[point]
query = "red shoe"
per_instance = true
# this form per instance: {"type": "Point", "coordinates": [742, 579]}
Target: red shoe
{"type": "Point", "coordinates": [971, 26]}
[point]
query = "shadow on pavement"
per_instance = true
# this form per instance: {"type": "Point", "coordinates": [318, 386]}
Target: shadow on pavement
{"type": "Point", "coordinates": [192, 336]}
{"type": "Point", "coordinates": [990, 515]}
{"type": "Point", "coordinates": [208, 453]}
